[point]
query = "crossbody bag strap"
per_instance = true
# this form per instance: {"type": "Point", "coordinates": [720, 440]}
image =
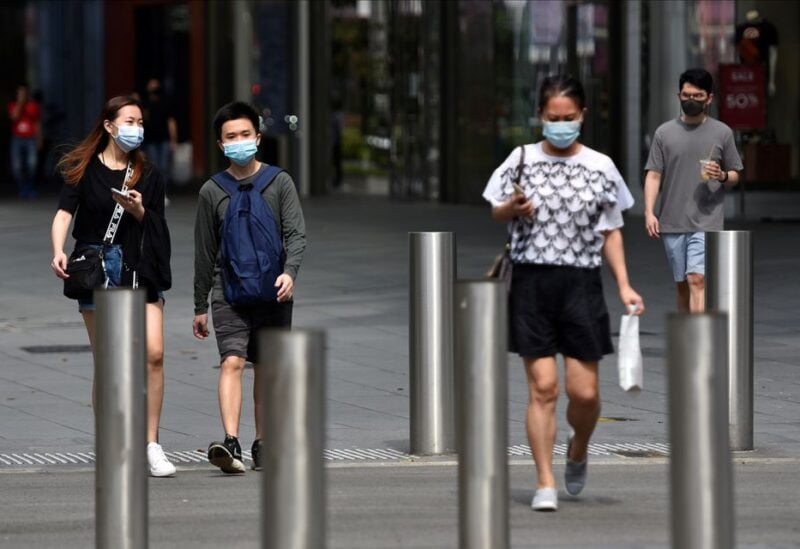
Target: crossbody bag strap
{"type": "Point", "coordinates": [519, 182]}
{"type": "Point", "coordinates": [521, 164]}
{"type": "Point", "coordinates": [116, 215]}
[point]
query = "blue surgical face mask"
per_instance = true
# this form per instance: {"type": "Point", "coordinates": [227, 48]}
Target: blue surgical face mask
{"type": "Point", "coordinates": [129, 137]}
{"type": "Point", "coordinates": [562, 134]}
{"type": "Point", "coordinates": [240, 152]}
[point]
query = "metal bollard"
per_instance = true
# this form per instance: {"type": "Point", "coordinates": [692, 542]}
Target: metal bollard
{"type": "Point", "coordinates": [120, 419]}
{"type": "Point", "coordinates": [700, 460]}
{"type": "Point", "coordinates": [293, 434]}
{"type": "Point", "coordinates": [729, 289]}
{"type": "Point", "coordinates": [432, 274]}
{"type": "Point", "coordinates": [482, 390]}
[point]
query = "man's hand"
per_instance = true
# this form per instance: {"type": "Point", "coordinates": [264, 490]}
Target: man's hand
{"type": "Point", "coordinates": [285, 286]}
{"type": "Point", "coordinates": [200, 326]}
{"type": "Point", "coordinates": [652, 225]}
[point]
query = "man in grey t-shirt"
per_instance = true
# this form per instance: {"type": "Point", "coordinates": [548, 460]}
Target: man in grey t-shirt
{"type": "Point", "coordinates": [692, 160]}
{"type": "Point", "coordinates": [236, 325]}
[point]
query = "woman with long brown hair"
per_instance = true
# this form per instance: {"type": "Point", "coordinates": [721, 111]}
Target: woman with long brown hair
{"type": "Point", "coordinates": [138, 255]}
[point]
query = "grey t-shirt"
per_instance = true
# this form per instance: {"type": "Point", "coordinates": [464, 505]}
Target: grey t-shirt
{"type": "Point", "coordinates": [687, 203]}
{"type": "Point", "coordinates": [212, 205]}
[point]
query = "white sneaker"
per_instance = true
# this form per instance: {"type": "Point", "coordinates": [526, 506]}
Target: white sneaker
{"type": "Point", "coordinates": [545, 499]}
{"type": "Point", "coordinates": [160, 466]}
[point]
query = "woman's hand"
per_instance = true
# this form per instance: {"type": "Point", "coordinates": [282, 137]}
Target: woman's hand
{"type": "Point", "coordinates": [631, 300]}
{"type": "Point", "coordinates": [132, 203]}
{"type": "Point", "coordinates": [521, 206]}
{"type": "Point", "coordinates": [59, 265]}
{"type": "Point", "coordinates": [516, 206]}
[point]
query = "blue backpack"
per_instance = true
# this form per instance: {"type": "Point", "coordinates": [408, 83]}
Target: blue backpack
{"type": "Point", "coordinates": [251, 250]}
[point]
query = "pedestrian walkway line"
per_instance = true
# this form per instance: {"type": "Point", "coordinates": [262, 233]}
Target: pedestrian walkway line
{"type": "Point", "coordinates": [189, 457]}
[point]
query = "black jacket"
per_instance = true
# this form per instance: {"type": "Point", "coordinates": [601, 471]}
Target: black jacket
{"type": "Point", "coordinates": [147, 251]}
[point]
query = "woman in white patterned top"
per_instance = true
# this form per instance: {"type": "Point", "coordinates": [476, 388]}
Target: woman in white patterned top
{"type": "Point", "coordinates": [566, 217]}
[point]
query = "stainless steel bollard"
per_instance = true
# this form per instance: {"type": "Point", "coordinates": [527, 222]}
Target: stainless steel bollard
{"type": "Point", "coordinates": [293, 434]}
{"type": "Point", "coordinates": [432, 274]}
{"type": "Point", "coordinates": [120, 419]}
{"type": "Point", "coordinates": [700, 461]}
{"type": "Point", "coordinates": [729, 289]}
{"type": "Point", "coordinates": [482, 390]}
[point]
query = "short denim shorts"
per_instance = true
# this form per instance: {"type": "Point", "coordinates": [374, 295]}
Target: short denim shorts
{"type": "Point", "coordinates": [686, 253]}
{"type": "Point", "coordinates": [112, 259]}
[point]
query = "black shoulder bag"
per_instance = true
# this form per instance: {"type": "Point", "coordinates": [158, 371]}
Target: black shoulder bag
{"type": "Point", "coordinates": [502, 265]}
{"type": "Point", "coordinates": [85, 266]}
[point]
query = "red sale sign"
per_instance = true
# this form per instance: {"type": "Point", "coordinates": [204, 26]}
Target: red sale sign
{"type": "Point", "coordinates": [742, 97]}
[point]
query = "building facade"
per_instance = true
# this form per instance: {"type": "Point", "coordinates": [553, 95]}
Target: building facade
{"type": "Point", "coordinates": [417, 99]}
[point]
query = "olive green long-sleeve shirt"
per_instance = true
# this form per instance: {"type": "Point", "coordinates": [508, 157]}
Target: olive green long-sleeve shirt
{"type": "Point", "coordinates": [281, 196]}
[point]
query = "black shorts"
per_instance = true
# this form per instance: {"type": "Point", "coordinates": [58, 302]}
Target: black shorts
{"type": "Point", "coordinates": [236, 328]}
{"type": "Point", "coordinates": [554, 309]}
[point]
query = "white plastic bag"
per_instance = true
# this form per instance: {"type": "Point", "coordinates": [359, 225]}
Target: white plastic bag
{"type": "Point", "coordinates": [629, 353]}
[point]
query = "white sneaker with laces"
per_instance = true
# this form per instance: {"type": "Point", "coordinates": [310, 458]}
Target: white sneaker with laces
{"type": "Point", "coordinates": [160, 466]}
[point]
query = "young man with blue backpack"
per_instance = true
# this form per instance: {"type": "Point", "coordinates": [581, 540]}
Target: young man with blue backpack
{"type": "Point", "coordinates": [249, 242]}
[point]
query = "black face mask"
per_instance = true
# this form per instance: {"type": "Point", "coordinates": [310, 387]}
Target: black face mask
{"type": "Point", "coordinates": [690, 107]}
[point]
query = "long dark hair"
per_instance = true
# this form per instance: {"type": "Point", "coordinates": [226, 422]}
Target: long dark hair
{"type": "Point", "coordinates": [73, 164]}
{"type": "Point", "coordinates": [561, 85]}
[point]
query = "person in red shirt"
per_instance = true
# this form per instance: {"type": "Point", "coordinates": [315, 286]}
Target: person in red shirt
{"type": "Point", "coordinates": [25, 139]}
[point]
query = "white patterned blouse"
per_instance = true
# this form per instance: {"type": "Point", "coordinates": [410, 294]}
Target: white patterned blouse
{"type": "Point", "coordinates": [575, 198]}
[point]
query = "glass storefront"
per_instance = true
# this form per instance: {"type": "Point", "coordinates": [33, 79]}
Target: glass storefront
{"type": "Point", "coordinates": [537, 38]}
{"type": "Point", "coordinates": [499, 54]}
{"type": "Point", "coordinates": [423, 99]}
{"type": "Point", "coordinates": [360, 96]}
{"type": "Point", "coordinates": [751, 49]}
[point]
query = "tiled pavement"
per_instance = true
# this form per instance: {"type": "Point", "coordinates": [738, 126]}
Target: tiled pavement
{"type": "Point", "coordinates": [354, 285]}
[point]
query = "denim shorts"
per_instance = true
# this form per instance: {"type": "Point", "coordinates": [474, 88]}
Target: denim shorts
{"type": "Point", "coordinates": [112, 259]}
{"type": "Point", "coordinates": [686, 253]}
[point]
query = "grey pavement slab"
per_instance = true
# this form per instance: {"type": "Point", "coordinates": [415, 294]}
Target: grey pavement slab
{"type": "Point", "coordinates": [626, 504]}
{"type": "Point", "coordinates": [354, 284]}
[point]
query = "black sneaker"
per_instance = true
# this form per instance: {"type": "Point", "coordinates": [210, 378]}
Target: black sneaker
{"type": "Point", "coordinates": [227, 455]}
{"type": "Point", "coordinates": [255, 452]}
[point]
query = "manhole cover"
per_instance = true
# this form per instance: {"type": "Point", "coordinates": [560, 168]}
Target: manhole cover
{"type": "Point", "coordinates": [613, 419]}
{"type": "Point", "coordinates": [639, 453]}
{"type": "Point", "coordinates": [57, 349]}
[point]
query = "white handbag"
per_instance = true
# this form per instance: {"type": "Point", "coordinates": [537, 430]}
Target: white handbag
{"type": "Point", "coordinates": [629, 353]}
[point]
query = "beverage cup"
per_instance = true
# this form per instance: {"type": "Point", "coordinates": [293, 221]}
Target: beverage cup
{"type": "Point", "coordinates": [703, 168]}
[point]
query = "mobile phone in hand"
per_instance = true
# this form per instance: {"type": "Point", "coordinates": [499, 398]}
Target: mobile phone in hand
{"type": "Point", "coordinates": [518, 189]}
{"type": "Point", "coordinates": [119, 192]}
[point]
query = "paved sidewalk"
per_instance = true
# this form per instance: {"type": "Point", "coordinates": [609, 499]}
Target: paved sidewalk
{"type": "Point", "coordinates": [353, 284]}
